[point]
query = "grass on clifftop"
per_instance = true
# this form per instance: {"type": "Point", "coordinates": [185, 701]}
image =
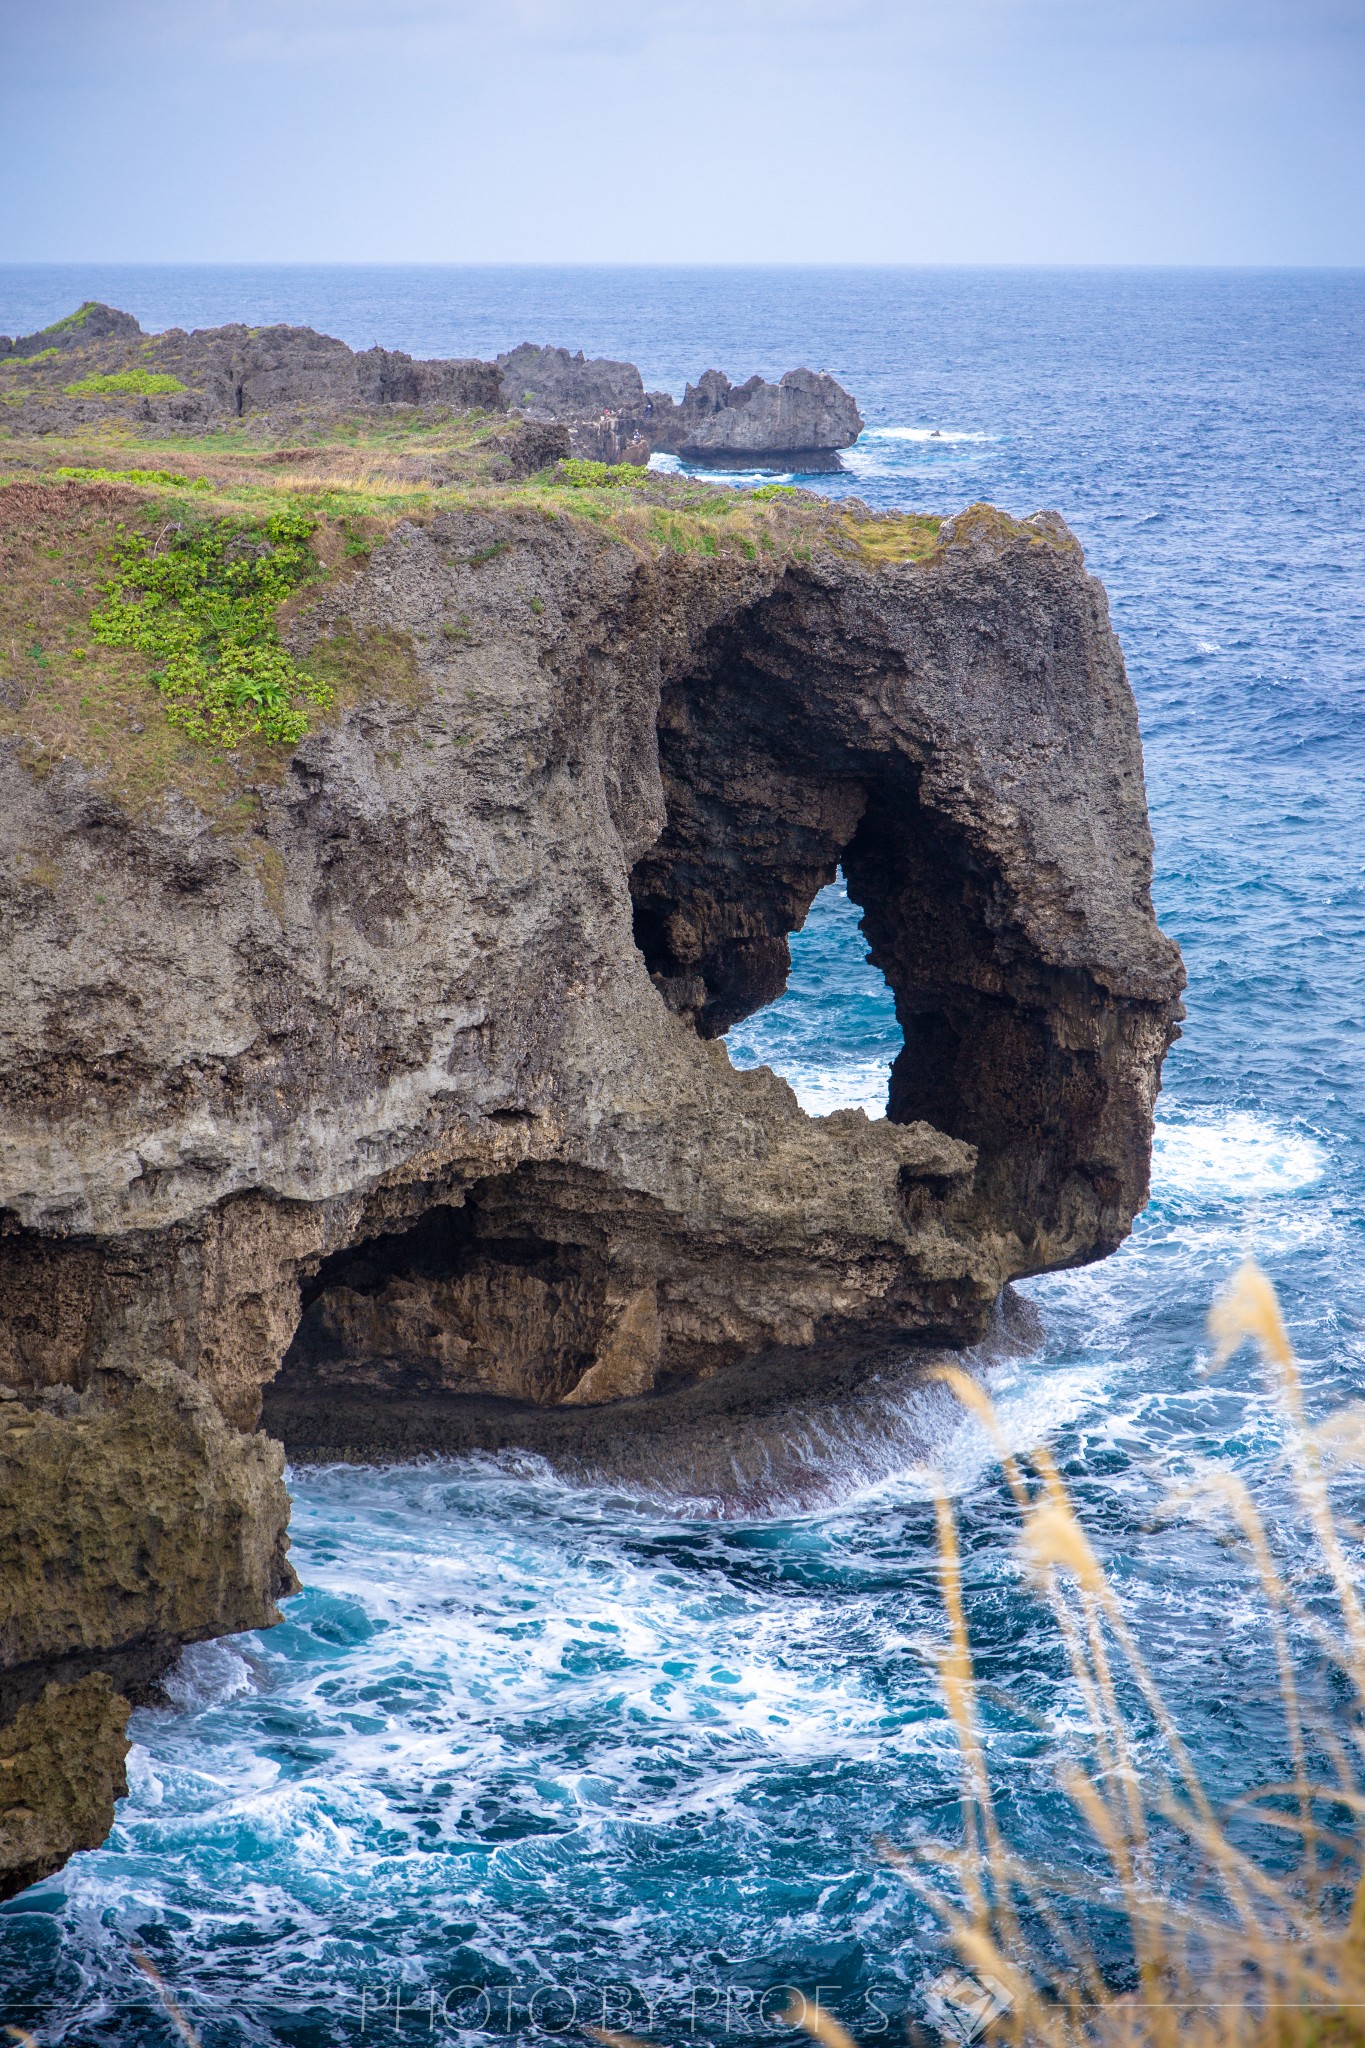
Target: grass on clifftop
{"type": "Point", "coordinates": [201, 600]}
{"type": "Point", "coordinates": [68, 695]}
{"type": "Point", "coordinates": [412, 465]}
{"type": "Point", "coordinates": [146, 582]}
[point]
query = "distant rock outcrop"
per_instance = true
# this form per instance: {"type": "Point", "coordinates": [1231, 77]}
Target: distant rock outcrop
{"type": "Point", "coordinates": [551, 384]}
{"type": "Point", "coordinates": [89, 323]}
{"type": "Point", "coordinates": [612, 417]}
{"type": "Point", "coordinates": [178, 381]}
{"type": "Point", "coordinates": [806, 413]}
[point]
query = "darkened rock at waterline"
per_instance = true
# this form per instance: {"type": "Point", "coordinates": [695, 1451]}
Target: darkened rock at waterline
{"type": "Point", "coordinates": [787, 1431]}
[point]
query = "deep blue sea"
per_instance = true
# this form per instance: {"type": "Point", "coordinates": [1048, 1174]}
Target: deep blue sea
{"type": "Point", "coordinates": [522, 1745]}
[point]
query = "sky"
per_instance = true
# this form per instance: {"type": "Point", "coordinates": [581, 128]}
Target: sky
{"type": "Point", "coordinates": [714, 131]}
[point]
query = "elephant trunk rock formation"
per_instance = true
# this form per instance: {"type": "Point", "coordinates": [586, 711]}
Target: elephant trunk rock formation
{"type": "Point", "coordinates": [409, 1100]}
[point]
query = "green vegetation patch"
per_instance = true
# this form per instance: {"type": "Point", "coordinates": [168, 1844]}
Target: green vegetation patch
{"type": "Point", "coordinates": [201, 601]}
{"type": "Point", "coordinates": [71, 321]}
{"type": "Point", "coordinates": [135, 476]}
{"type": "Point", "coordinates": [765, 493]}
{"type": "Point", "coordinates": [597, 476]}
{"type": "Point", "coordinates": [895, 537]}
{"type": "Point", "coordinates": [136, 383]}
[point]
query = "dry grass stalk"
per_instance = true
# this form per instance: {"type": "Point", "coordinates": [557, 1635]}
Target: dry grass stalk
{"type": "Point", "coordinates": [1263, 1961]}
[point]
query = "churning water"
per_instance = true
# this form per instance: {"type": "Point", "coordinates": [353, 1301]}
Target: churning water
{"type": "Point", "coordinates": [521, 1745]}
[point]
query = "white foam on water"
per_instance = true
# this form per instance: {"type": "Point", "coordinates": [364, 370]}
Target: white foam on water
{"type": "Point", "coordinates": [207, 1674]}
{"type": "Point", "coordinates": [821, 1089]}
{"type": "Point", "coordinates": [922, 434]}
{"type": "Point", "coordinates": [1030, 1409]}
{"type": "Point", "coordinates": [743, 479]}
{"type": "Point", "coordinates": [1232, 1155]}
{"type": "Point", "coordinates": [861, 1084]}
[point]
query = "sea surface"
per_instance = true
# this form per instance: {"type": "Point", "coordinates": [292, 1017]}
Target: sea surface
{"type": "Point", "coordinates": [522, 1746]}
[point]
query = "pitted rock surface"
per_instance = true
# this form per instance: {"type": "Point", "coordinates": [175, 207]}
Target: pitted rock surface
{"type": "Point", "coordinates": [409, 1105]}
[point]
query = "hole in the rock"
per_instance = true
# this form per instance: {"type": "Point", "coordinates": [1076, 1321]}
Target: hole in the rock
{"type": "Point", "coordinates": [832, 1033]}
{"type": "Point", "coordinates": [518, 1292]}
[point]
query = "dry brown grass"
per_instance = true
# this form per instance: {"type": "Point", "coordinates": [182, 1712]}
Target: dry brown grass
{"type": "Point", "coordinates": [1260, 1957]}
{"type": "Point", "coordinates": [378, 472]}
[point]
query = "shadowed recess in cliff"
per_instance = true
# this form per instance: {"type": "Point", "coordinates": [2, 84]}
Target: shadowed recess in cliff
{"type": "Point", "coordinates": [512, 1292]}
{"type": "Point", "coordinates": [774, 782]}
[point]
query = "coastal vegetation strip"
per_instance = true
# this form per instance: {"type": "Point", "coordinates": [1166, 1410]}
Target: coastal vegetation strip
{"type": "Point", "coordinates": [169, 570]}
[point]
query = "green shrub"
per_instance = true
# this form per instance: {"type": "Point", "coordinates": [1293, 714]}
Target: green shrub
{"type": "Point", "coordinates": [136, 476]}
{"type": "Point", "coordinates": [767, 492]}
{"type": "Point", "coordinates": [137, 383]}
{"type": "Point", "coordinates": [203, 606]}
{"type": "Point", "coordinates": [597, 476]}
{"type": "Point", "coordinates": [71, 321]}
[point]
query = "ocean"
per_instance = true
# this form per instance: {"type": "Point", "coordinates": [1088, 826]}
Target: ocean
{"type": "Point", "coordinates": [528, 1755]}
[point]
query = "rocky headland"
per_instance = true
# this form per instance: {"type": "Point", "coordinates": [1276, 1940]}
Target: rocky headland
{"type": "Point", "coordinates": [292, 377]}
{"type": "Point", "coordinates": [362, 1015]}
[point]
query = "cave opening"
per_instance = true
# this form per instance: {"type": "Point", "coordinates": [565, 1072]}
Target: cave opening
{"type": "Point", "coordinates": [788, 760]}
{"type": "Point", "coordinates": [822, 897]}
{"type": "Point", "coordinates": [833, 1033]}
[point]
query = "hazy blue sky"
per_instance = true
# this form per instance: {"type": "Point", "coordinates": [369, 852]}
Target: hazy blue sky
{"type": "Point", "coordinates": [1129, 131]}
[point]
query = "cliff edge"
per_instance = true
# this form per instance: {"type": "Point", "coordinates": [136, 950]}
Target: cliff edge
{"type": "Point", "coordinates": [380, 1073]}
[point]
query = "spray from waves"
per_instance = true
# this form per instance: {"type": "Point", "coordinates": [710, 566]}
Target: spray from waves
{"type": "Point", "coordinates": [513, 1687]}
{"type": "Point", "coordinates": [665, 464]}
{"type": "Point", "coordinates": [821, 1087]}
{"type": "Point", "coordinates": [1231, 1156]}
{"type": "Point", "coordinates": [931, 434]}
{"type": "Point", "coordinates": [788, 1443]}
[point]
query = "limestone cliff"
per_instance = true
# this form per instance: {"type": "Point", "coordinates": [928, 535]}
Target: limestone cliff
{"type": "Point", "coordinates": [397, 1083]}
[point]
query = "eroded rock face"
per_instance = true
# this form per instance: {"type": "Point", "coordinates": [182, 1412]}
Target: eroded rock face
{"type": "Point", "coordinates": [61, 1769]}
{"type": "Point", "coordinates": [806, 412]}
{"type": "Point", "coordinates": [416, 1088]}
{"type": "Point", "coordinates": [550, 383]}
{"type": "Point", "coordinates": [92, 322]}
{"type": "Point", "coordinates": [144, 1468]}
{"type": "Point", "coordinates": [509, 923]}
{"type": "Point", "coordinates": [133, 1519]}
{"type": "Point", "coordinates": [234, 371]}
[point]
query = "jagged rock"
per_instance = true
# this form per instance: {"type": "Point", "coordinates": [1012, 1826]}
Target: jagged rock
{"type": "Point", "coordinates": [144, 1467]}
{"type": "Point", "coordinates": [445, 1021]}
{"type": "Point", "coordinates": [805, 413]}
{"type": "Point", "coordinates": [238, 370]}
{"type": "Point", "coordinates": [529, 447]}
{"type": "Point", "coordinates": [271, 373]}
{"type": "Point", "coordinates": [61, 1769]}
{"type": "Point", "coordinates": [549, 383]}
{"type": "Point", "coordinates": [133, 1519]}
{"type": "Point", "coordinates": [93, 322]}
{"type": "Point", "coordinates": [613, 420]}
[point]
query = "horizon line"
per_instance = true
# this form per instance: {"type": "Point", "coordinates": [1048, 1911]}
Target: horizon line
{"type": "Point", "coordinates": [637, 264]}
